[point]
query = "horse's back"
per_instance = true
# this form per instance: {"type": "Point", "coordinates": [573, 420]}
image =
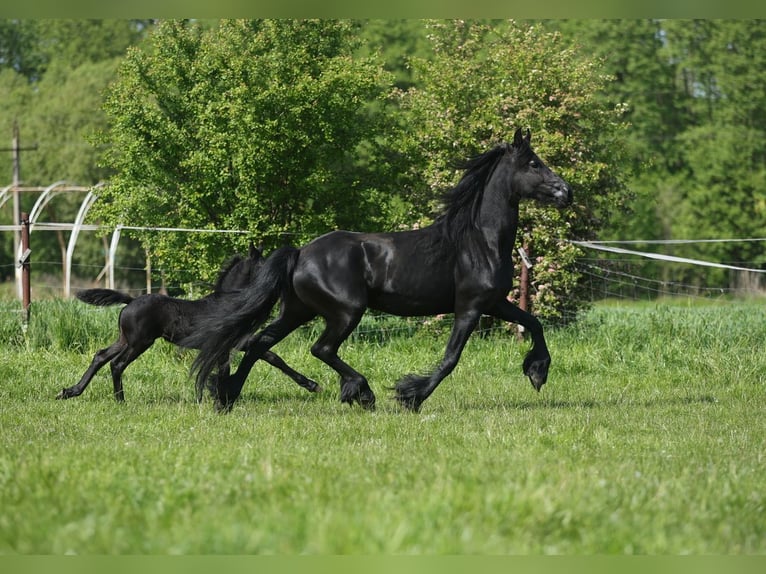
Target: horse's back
{"type": "Point", "coordinates": [403, 273]}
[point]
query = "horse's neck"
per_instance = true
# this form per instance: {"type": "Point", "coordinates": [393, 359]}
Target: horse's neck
{"type": "Point", "coordinates": [498, 220]}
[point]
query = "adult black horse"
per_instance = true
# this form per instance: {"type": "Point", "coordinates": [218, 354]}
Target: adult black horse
{"type": "Point", "coordinates": [149, 317]}
{"type": "Point", "coordinates": [460, 264]}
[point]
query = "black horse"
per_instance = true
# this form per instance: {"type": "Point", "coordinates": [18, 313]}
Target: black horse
{"type": "Point", "coordinates": [460, 264]}
{"type": "Point", "coordinates": [146, 318]}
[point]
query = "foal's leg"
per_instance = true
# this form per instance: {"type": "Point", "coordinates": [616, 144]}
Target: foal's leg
{"type": "Point", "coordinates": [412, 390]}
{"type": "Point", "coordinates": [100, 359]}
{"type": "Point", "coordinates": [276, 361]}
{"type": "Point", "coordinates": [538, 359]}
{"type": "Point", "coordinates": [354, 388]}
{"type": "Point", "coordinates": [121, 362]}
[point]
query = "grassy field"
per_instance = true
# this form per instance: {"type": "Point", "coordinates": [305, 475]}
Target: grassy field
{"type": "Point", "coordinates": [648, 439]}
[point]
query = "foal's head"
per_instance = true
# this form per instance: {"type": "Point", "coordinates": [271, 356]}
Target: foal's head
{"type": "Point", "coordinates": [239, 271]}
{"type": "Point", "coordinates": [531, 178]}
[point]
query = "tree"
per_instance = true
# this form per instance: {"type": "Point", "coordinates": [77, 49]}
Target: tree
{"type": "Point", "coordinates": [245, 125]}
{"type": "Point", "coordinates": [54, 74]}
{"type": "Point", "coordinates": [721, 190]}
{"type": "Point", "coordinates": [481, 83]}
{"type": "Point", "coordinates": [20, 48]}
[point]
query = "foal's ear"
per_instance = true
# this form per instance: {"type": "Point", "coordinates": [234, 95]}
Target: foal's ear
{"type": "Point", "coordinates": [519, 139]}
{"type": "Point", "coordinates": [255, 253]}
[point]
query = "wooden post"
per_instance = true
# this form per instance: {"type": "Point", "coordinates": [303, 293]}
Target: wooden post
{"type": "Point", "coordinates": [25, 265]}
{"type": "Point", "coordinates": [148, 272]}
{"type": "Point", "coordinates": [526, 266]}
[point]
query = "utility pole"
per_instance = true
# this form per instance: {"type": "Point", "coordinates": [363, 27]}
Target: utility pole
{"type": "Point", "coordinates": [16, 181]}
{"type": "Point", "coordinates": [16, 149]}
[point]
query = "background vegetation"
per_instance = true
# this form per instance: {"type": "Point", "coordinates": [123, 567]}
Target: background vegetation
{"type": "Point", "coordinates": [292, 128]}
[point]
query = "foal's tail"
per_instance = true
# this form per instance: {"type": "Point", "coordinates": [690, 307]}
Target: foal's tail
{"type": "Point", "coordinates": [239, 313]}
{"type": "Point", "coordinates": [103, 297]}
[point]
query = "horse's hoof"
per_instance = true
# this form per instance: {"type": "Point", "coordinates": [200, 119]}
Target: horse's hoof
{"type": "Point", "coordinates": [62, 395]}
{"type": "Point", "coordinates": [410, 403]}
{"type": "Point", "coordinates": [223, 408]}
{"type": "Point", "coordinates": [537, 371]}
{"type": "Point", "coordinates": [367, 402]}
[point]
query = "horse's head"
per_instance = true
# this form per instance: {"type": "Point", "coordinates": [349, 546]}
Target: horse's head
{"type": "Point", "coordinates": [531, 178]}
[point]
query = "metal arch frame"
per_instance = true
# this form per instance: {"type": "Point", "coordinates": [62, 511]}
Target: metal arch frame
{"type": "Point", "coordinates": [112, 256]}
{"type": "Point", "coordinates": [4, 195]}
{"type": "Point", "coordinates": [45, 197]}
{"type": "Point", "coordinates": [76, 227]}
{"type": "Point", "coordinates": [48, 193]}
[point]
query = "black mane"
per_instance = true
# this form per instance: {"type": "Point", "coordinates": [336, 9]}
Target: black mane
{"type": "Point", "coordinates": [462, 202]}
{"type": "Point", "coordinates": [226, 269]}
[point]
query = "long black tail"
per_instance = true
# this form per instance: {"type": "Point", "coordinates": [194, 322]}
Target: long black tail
{"type": "Point", "coordinates": [237, 314]}
{"type": "Point", "coordinates": [103, 297]}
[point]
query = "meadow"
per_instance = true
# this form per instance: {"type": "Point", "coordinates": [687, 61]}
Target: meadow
{"type": "Point", "coordinates": [648, 439]}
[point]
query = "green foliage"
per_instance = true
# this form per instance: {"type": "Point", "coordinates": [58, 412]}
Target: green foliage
{"type": "Point", "coordinates": [58, 325]}
{"type": "Point", "coordinates": [284, 128]}
{"type": "Point", "coordinates": [696, 99]}
{"type": "Point", "coordinates": [246, 125]}
{"type": "Point", "coordinates": [646, 440]}
{"type": "Point", "coordinates": [53, 89]}
{"type": "Point", "coordinates": [480, 84]}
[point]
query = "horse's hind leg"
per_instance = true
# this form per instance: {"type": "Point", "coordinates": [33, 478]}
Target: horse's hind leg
{"type": "Point", "coordinates": [100, 359]}
{"type": "Point", "coordinates": [224, 370]}
{"type": "Point", "coordinates": [354, 388]}
{"type": "Point", "coordinates": [229, 388]}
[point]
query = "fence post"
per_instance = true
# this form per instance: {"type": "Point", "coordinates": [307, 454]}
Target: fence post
{"type": "Point", "coordinates": [24, 263]}
{"type": "Point", "coordinates": [526, 266]}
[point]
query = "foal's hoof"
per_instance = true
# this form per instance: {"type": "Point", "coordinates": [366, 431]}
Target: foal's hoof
{"type": "Point", "coordinates": [62, 395]}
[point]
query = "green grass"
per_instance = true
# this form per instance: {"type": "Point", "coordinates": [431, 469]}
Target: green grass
{"type": "Point", "coordinates": [648, 438]}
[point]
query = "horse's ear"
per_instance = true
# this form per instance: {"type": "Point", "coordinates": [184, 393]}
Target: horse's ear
{"type": "Point", "coordinates": [255, 253]}
{"type": "Point", "coordinates": [521, 140]}
{"type": "Point", "coordinates": [518, 139]}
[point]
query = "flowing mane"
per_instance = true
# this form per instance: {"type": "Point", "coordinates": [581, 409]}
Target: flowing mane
{"type": "Point", "coordinates": [225, 270]}
{"type": "Point", "coordinates": [462, 202]}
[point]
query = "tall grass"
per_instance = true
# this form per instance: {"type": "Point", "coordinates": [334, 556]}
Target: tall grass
{"type": "Point", "coordinates": [648, 438]}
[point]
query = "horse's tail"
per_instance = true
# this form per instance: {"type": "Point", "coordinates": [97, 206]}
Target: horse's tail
{"type": "Point", "coordinates": [103, 297]}
{"type": "Point", "coordinates": [236, 314]}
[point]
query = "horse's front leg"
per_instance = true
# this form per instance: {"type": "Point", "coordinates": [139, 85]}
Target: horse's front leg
{"type": "Point", "coordinates": [412, 390]}
{"type": "Point", "coordinates": [538, 359]}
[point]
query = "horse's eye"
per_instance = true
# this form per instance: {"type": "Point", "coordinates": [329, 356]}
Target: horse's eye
{"type": "Point", "coordinates": [533, 164]}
